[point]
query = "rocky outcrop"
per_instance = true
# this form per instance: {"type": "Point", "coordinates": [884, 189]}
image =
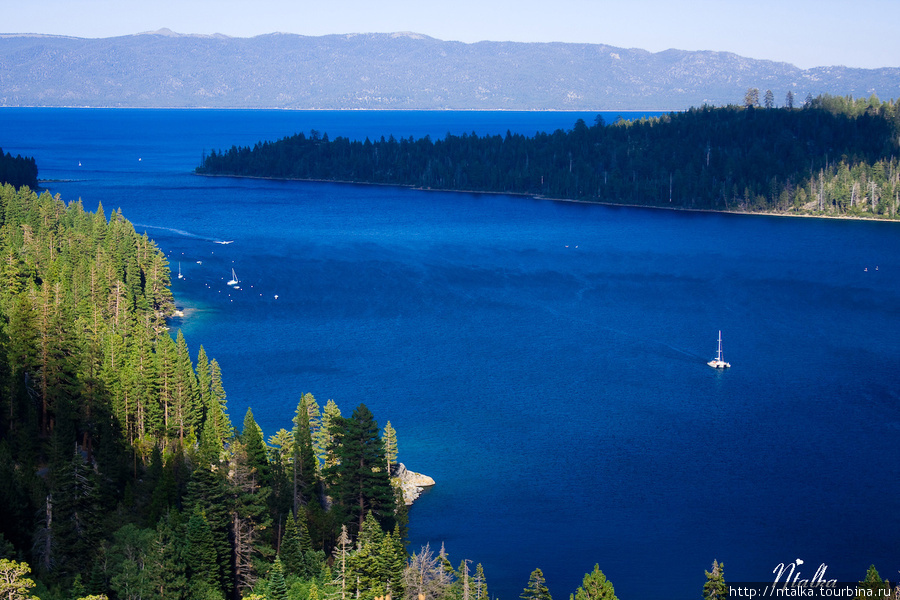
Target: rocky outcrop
{"type": "Point", "coordinates": [412, 483]}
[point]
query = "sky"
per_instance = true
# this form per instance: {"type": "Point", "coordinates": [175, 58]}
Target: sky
{"type": "Point", "coordinates": [806, 33]}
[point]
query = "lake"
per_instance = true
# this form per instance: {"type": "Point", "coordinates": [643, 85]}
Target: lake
{"type": "Point", "coordinates": [544, 361]}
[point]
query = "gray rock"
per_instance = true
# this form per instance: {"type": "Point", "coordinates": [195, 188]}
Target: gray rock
{"type": "Point", "coordinates": [412, 483]}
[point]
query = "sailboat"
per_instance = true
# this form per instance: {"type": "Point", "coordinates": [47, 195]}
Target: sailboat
{"type": "Point", "coordinates": [718, 362]}
{"type": "Point", "coordinates": [180, 276]}
{"type": "Point", "coordinates": [234, 279]}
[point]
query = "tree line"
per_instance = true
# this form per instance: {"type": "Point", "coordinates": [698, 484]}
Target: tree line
{"type": "Point", "coordinates": [18, 171]}
{"type": "Point", "coordinates": [121, 472]}
{"type": "Point", "coordinates": [831, 156]}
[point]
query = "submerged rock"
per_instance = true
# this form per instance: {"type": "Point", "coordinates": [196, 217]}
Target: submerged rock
{"type": "Point", "coordinates": [412, 483]}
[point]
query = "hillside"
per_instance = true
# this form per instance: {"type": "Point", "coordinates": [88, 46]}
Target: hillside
{"type": "Point", "coordinates": [394, 71]}
{"type": "Point", "coordinates": [729, 158]}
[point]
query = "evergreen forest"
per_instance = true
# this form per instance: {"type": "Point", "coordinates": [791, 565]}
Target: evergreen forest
{"type": "Point", "coordinates": [18, 171]}
{"type": "Point", "coordinates": [834, 156]}
{"type": "Point", "coordinates": [122, 476]}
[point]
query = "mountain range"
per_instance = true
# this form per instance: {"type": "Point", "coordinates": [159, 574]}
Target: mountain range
{"type": "Point", "coordinates": [396, 71]}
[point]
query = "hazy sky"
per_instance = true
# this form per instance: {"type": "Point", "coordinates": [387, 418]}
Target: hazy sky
{"type": "Point", "coordinates": [807, 33]}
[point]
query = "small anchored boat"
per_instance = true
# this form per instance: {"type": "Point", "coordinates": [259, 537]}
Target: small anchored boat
{"type": "Point", "coordinates": [719, 362]}
{"type": "Point", "coordinates": [234, 280]}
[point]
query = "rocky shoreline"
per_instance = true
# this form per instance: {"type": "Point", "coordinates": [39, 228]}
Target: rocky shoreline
{"type": "Point", "coordinates": [412, 483]}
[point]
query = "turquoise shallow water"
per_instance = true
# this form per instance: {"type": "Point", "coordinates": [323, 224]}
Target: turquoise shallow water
{"type": "Point", "coordinates": [543, 361]}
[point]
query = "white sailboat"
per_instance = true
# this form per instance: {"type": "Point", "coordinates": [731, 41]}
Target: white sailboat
{"type": "Point", "coordinates": [180, 276]}
{"type": "Point", "coordinates": [234, 279]}
{"type": "Point", "coordinates": [718, 362]}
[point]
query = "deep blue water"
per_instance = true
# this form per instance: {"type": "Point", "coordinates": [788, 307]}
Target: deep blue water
{"type": "Point", "coordinates": [543, 361]}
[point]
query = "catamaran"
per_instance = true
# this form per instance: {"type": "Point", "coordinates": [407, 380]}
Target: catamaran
{"type": "Point", "coordinates": [234, 279]}
{"type": "Point", "coordinates": [718, 362]}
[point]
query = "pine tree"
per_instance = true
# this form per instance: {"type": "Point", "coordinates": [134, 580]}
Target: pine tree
{"type": "Point", "coordinates": [873, 586]}
{"type": "Point", "coordinates": [211, 445]}
{"type": "Point", "coordinates": [166, 358]}
{"type": "Point", "coordinates": [315, 415]}
{"type": "Point", "coordinates": [536, 589]}
{"type": "Point", "coordinates": [323, 441]}
{"type": "Point", "coordinates": [207, 490]}
{"type": "Point", "coordinates": [184, 387]}
{"type": "Point", "coordinates": [277, 586]}
{"type": "Point", "coordinates": [290, 550]}
{"type": "Point", "coordinates": [218, 399]}
{"type": "Point", "coordinates": [393, 563]}
{"type": "Point", "coordinates": [313, 560]}
{"type": "Point", "coordinates": [77, 590]}
{"type": "Point", "coordinates": [480, 582]}
{"type": "Point", "coordinates": [279, 450]}
{"type": "Point", "coordinates": [303, 532]}
{"type": "Point", "coordinates": [304, 463]}
{"type": "Point", "coordinates": [98, 583]}
{"type": "Point", "coordinates": [595, 586]}
{"type": "Point", "coordinates": [390, 445]}
{"type": "Point", "coordinates": [204, 382]}
{"type": "Point", "coordinates": [217, 424]}
{"type": "Point", "coordinates": [200, 553]}
{"type": "Point", "coordinates": [447, 574]}
{"type": "Point", "coordinates": [359, 481]}
{"type": "Point", "coordinates": [367, 568]}
{"type": "Point", "coordinates": [257, 456]}
{"type": "Point", "coordinates": [715, 587]}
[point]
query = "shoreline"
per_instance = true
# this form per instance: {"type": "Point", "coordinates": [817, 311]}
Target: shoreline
{"type": "Point", "coordinates": [411, 484]}
{"type": "Point", "coordinates": [572, 200]}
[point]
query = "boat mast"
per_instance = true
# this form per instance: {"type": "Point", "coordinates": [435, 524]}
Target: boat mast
{"type": "Point", "coordinates": [720, 346]}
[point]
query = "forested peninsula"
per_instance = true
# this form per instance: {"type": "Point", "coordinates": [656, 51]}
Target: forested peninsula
{"type": "Point", "coordinates": [18, 171]}
{"type": "Point", "coordinates": [832, 156]}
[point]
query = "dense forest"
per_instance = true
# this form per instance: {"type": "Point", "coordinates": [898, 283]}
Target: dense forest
{"type": "Point", "coordinates": [18, 171]}
{"type": "Point", "coordinates": [832, 156]}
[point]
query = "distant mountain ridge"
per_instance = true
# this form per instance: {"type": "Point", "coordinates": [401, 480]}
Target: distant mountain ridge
{"type": "Point", "coordinates": [395, 71]}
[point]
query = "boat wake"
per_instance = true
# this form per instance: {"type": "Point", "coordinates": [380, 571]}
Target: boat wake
{"type": "Point", "coordinates": [184, 233]}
